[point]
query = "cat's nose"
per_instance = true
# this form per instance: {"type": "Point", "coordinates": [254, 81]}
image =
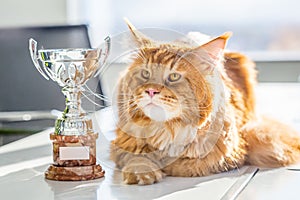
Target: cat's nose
{"type": "Point", "coordinates": [151, 92]}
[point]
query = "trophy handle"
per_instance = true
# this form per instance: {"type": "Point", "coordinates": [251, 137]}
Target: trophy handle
{"type": "Point", "coordinates": [34, 57]}
{"type": "Point", "coordinates": [105, 54]}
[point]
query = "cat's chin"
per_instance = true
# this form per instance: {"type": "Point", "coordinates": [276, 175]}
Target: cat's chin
{"type": "Point", "coordinates": [156, 112]}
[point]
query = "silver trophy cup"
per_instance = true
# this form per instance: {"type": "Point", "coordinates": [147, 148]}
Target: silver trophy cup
{"type": "Point", "coordinates": [74, 141]}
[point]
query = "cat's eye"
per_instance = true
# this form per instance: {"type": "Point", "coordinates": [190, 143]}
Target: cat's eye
{"type": "Point", "coordinates": [145, 74]}
{"type": "Point", "coordinates": [174, 77]}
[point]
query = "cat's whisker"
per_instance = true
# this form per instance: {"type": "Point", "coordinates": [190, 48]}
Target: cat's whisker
{"type": "Point", "coordinates": [125, 95]}
{"type": "Point", "coordinates": [128, 110]}
{"type": "Point", "coordinates": [171, 105]}
{"type": "Point", "coordinates": [124, 117]}
{"type": "Point", "coordinates": [123, 103]}
{"type": "Point", "coordinates": [189, 108]}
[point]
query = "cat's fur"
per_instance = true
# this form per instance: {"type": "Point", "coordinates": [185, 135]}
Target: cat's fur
{"type": "Point", "coordinates": [200, 124]}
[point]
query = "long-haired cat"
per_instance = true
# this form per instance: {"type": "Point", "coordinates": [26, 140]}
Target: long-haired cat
{"type": "Point", "coordinates": [189, 110]}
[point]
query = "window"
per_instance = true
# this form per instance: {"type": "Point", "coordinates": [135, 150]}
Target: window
{"type": "Point", "coordinates": [267, 31]}
{"type": "Point", "coordinates": [257, 25]}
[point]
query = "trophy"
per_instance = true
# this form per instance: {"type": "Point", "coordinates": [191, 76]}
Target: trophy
{"type": "Point", "coordinates": [74, 141]}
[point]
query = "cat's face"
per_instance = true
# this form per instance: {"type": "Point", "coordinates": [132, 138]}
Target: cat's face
{"type": "Point", "coordinates": [163, 85]}
{"type": "Point", "coordinates": [167, 82]}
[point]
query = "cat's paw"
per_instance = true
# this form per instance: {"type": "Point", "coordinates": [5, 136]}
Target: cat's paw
{"type": "Point", "coordinates": [141, 174]}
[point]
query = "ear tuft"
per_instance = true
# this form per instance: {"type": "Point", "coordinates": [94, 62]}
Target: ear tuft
{"type": "Point", "coordinates": [226, 35]}
{"type": "Point", "coordinates": [130, 25]}
{"type": "Point", "coordinates": [139, 39]}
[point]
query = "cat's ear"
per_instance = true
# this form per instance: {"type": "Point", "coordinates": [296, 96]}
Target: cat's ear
{"type": "Point", "coordinates": [138, 38]}
{"type": "Point", "coordinates": [209, 54]}
{"type": "Point", "coordinates": [216, 46]}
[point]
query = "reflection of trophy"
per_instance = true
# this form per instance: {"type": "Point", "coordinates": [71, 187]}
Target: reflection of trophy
{"type": "Point", "coordinates": [74, 141]}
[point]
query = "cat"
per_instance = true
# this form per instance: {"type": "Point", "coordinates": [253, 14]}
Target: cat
{"type": "Point", "coordinates": [187, 110]}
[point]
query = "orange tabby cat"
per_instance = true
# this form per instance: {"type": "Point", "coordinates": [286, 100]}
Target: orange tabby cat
{"type": "Point", "coordinates": [190, 111]}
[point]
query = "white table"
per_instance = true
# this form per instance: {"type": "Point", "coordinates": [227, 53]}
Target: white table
{"type": "Point", "coordinates": [22, 166]}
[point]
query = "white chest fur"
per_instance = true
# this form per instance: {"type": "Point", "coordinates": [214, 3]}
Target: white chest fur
{"type": "Point", "coordinates": [183, 137]}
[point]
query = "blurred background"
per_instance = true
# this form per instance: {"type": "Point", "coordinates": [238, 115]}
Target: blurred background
{"type": "Point", "coordinates": [268, 25]}
{"type": "Point", "coordinates": [266, 30]}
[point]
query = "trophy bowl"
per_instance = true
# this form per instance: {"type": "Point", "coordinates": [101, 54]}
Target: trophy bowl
{"type": "Point", "coordinates": [74, 141]}
{"type": "Point", "coordinates": [70, 67]}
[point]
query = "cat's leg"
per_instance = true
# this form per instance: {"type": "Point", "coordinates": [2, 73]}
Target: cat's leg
{"type": "Point", "coordinates": [271, 143]}
{"type": "Point", "coordinates": [142, 171]}
{"type": "Point", "coordinates": [136, 168]}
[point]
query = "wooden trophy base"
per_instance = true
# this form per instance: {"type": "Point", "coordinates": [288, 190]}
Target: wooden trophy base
{"type": "Point", "coordinates": [78, 173]}
{"type": "Point", "coordinates": [74, 158]}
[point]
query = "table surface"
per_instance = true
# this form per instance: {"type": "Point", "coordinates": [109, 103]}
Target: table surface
{"type": "Point", "coordinates": [23, 163]}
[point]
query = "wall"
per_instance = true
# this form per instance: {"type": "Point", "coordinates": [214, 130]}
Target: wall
{"type": "Point", "coordinates": [32, 12]}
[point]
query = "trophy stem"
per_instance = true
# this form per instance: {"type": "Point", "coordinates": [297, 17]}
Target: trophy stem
{"type": "Point", "coordinates": [73, 102]}
{"type": "Point", "coordinates": [74, 120]}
